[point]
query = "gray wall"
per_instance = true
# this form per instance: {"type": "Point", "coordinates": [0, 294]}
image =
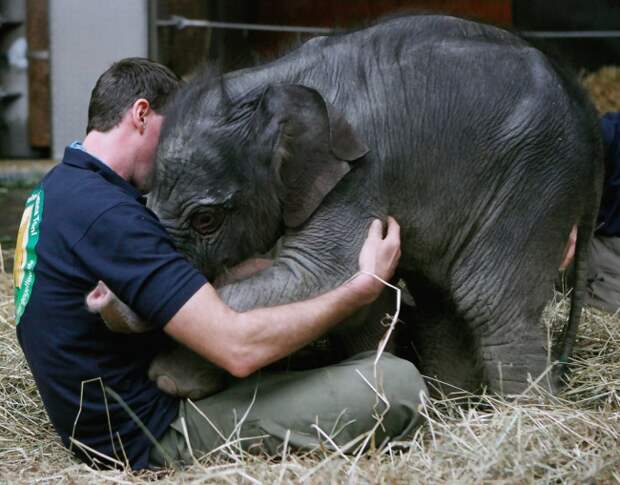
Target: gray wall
{"type": "Point", "coordinates": [86, 37]}
{"type": "Point", "coordinates": [14, 78]}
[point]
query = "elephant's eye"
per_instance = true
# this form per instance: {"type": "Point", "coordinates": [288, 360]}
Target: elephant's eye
{"type": "Point", "coordinates": [206, 222]}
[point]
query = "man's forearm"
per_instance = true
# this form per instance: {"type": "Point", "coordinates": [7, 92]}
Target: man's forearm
{"type": "Point", "coordinates": [244, 342]}
{"type": "Point", "coordinates": [272, 333]}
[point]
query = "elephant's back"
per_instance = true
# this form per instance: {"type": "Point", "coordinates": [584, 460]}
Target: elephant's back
{"type": "Point", "coordinates": [473, 125]}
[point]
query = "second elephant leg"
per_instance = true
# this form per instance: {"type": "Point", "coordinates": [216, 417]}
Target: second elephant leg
{"type": "Point", "coordinates": [181, 372]}
{"type": "Point", "coordinates": [444, 350]}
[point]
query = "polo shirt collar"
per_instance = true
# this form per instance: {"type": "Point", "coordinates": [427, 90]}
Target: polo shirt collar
{"type": "Point", "coordinates": [76, 156]}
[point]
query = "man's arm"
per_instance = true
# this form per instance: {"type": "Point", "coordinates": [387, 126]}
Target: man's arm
{"type": "Point", "coordinates": [241, 343]}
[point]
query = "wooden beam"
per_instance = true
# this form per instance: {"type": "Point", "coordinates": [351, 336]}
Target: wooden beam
{"type": "Point", "coordinates": [37, 35]}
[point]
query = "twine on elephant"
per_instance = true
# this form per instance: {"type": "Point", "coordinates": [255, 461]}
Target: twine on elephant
{"type": "Point", "coordinates": [378, 387]}
{"type": "Point", "coordinates": [393, 318]}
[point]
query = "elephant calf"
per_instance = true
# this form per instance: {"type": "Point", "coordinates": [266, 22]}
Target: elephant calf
{"type": "Point", "coordinates": [484, 150]}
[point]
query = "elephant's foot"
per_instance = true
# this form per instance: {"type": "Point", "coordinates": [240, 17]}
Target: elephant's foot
{"type": "Point", "coordinates": [511, 368]}
{"type": "Point", "coordinates": [510, 379]}
{"type": "Point", "coordinates": [117, 316]}
{"type": "Point", "coordinates": [181, 372]}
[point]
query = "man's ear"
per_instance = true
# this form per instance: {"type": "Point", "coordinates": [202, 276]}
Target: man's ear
{"type": "Point", "coordinates": [139, 111]}
{"type": "Point", "coordinates": [312, 145]}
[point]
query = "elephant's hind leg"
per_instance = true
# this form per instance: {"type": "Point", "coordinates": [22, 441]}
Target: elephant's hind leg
{"type": "Point", "coordinates": [502, 305]}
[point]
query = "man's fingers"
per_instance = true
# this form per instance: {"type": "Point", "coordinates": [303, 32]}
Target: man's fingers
{"type": "Point", "coordinates": [380, 254]}
{"type": "Point", "coordinates": [375, 230]}
{"type": "Point", "coordinates": [393, 229]}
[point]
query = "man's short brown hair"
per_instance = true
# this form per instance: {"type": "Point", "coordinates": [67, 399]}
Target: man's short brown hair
{"type": "Point", "coordinates": [122, 84]}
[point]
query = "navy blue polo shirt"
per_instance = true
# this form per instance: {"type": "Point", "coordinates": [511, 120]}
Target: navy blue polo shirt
{"type": "Point", "coordinates": [85, 223]}
{"type": "Point", "coordinates": [609, 212]}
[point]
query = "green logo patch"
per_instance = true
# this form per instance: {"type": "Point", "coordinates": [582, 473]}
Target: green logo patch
{"type": "Point", "coordinates": [25, 255]}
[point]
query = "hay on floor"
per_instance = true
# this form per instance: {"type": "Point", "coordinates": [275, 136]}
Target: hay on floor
{"type": "Point", "coordinates": [574, 437]}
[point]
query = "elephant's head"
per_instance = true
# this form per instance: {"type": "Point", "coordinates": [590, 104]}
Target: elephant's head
{"type": "Point", "coordinates": [231, 174]}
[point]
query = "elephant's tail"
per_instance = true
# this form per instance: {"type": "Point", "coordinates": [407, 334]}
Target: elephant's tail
{"type": "Point", "coordinates": [585, 230]}
{"type": "Point", "coordinates": [584, 235]}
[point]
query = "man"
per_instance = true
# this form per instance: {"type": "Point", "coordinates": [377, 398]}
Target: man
{"type": "Point", "coordinates": [604, 262]}
{"type": "Point", "coordinates": [87, 222]}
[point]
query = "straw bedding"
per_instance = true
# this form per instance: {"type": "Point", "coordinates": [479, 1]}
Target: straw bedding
{"type": "Point", "coordinates": [604, 87]}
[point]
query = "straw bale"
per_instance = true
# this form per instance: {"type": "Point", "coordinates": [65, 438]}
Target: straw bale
{"type": "Point", "coordinates": [604, 88]}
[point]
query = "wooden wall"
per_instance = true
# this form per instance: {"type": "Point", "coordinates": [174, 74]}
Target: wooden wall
{"type": "Point", "coordinates": [234, 49]}
{"type": "Point", "coordinates": [37, 35]}
{"type": "Point", "coordinates": [183, 50]}
{"type": "Point", "coordinates": [351, 13]}
{"type": "Point", "coordinates": [346, 13]}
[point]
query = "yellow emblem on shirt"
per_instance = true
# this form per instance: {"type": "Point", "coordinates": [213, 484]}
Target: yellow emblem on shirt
{"type": "Point", "coordinates": [25, 255]}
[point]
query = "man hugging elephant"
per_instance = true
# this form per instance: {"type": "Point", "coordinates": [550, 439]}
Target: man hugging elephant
{"type": "Point", "coordinates": [485, 151]}
{"type": "Point", "coordinates": [87, 223]}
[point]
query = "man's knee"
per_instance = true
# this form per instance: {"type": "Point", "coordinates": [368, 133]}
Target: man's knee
{"type": "Point", "coordinates": [398, 382]}
{"type": "Point", "coordinates": [394, 379]}
{"type": "Point", "coordinates": [400, 379]}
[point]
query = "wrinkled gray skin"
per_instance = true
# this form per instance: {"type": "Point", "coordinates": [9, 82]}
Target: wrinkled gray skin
{"type": "Point", "coordinates": [483, 151]}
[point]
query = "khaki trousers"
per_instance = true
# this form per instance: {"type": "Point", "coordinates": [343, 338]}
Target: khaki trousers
{"type": "Point", "coordinates": [604, 273]}
{"type": "Point", "coordinates": [263, 411]}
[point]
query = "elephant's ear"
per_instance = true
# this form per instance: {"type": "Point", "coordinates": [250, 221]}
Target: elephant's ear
{"type": "Point", "coordinates": [313, 145]}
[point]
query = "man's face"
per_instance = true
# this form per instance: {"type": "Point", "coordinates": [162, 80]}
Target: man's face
{"type": "Point", "coordinates": [145, 170]}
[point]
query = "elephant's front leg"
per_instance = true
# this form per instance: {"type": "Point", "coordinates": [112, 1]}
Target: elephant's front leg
{"type": "Point", "coordinates": [184, 373]}
{"type": "Point", "coordinates": [305, 269]}
{"type": "Point", "coordinates": [310, 262]}
{"type": "Point", "coordinates": [178, 371]}
{"type": "Point", "coordinates": [181, 372]}
{"type": "Point", "coordinates": [300, 272]}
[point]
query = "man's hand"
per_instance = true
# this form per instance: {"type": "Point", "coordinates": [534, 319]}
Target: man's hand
{"type": "Point", "coordinates": [379, 256]}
